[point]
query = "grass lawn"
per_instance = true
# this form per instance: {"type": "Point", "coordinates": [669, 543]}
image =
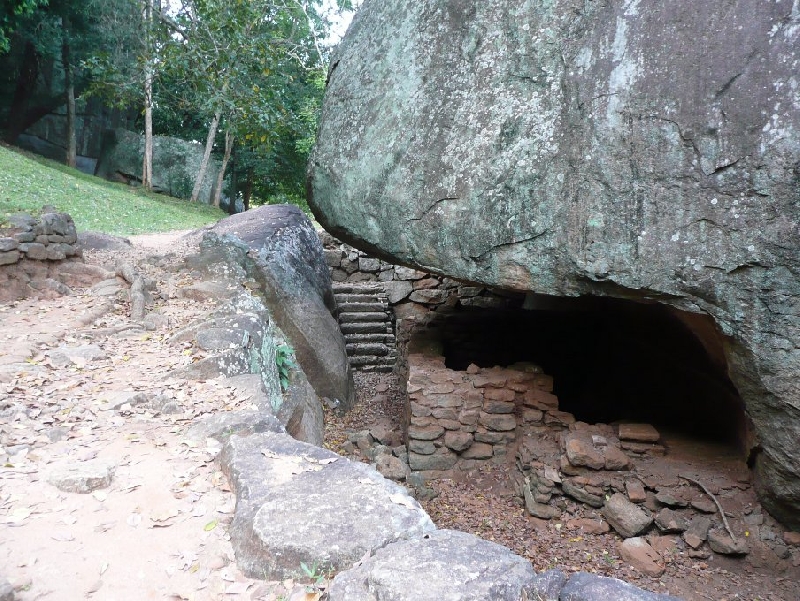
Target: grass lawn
{"type": "Point", "coordinates": [28, 182]}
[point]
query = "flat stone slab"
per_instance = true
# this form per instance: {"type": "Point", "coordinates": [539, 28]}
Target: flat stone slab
{"type": "Point", "coordinates": [298, 503]}
{"type": "Point", "coordinates": [221, 426]}
{"type": "Point", "coordinates": [443, 565]}
{"type": "Point", "coordinates": [83, 477]}
{"type": "Point", "coordinates": [638, 433]}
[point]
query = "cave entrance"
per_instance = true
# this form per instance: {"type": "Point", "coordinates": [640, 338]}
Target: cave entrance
{"type": "Point", "coordinates": [611, 360]}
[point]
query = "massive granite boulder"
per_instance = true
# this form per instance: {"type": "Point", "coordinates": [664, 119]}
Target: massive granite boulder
{"type": "Point", "coordinates": [640, 149]}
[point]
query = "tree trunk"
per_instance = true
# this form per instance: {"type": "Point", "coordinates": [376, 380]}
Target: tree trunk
{"type": "Point", "coordinates": [221, 175]}
{"type": "Point", "coordinates": [147, 164]}
{"type": "Point", "coordinates": [212, 133]}
{"type": "Point", "coordinates": [69, 85]}
{"type": "Point", "coordinates": [248, 190]}
{"type": "Point", "coordinates": [26, 85]}
{"type": "Point", "coordinates": [234, 180]}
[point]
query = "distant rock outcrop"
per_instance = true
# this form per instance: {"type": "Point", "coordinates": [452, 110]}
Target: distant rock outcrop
{"type": "Point", "coordinates": [635, 149]}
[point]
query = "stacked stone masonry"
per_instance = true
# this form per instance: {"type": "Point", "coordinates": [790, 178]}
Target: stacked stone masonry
{"type": "Point", "coordinates": [459, 420]}
{"type": "Point", "coordinates": [51, 237]}
{"type": "Point", "coordinates": [408, 297]}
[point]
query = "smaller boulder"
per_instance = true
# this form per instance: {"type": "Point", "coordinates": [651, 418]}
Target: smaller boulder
{"type": "Point", "coordinates": [625, 517]}
{"type": "Point", "coordinates": [642, 556]}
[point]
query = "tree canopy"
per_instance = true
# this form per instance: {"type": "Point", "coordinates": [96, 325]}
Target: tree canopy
{"type": "Point", "coordinates": [246, 76]}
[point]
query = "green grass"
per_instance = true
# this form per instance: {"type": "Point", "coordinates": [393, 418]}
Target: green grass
{"type": "Point", "coordinates": [28, 182]}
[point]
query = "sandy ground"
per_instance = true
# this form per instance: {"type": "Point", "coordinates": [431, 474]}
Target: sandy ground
{"type": "Point", "coordinates": [159, 530]}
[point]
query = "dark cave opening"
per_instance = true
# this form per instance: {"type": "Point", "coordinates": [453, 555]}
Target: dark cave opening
{"type": "Point", "coordinates": [611, 360]}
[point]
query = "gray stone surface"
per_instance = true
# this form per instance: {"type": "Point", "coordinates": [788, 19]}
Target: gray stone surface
{"type": "Point", "coordinates": [623, 149]}
{"type": "Point", "coordinates": [299, 503]}
{"type": "Point", "coordinates": [444, 566]}
{"type": "Point", "coordinates": [221, 426]}
{"type": "Point", "coordinates": [286, 259]}
{"type": "Point", "coordinates": [6, 590]}
{"type": "Point", "coordinates": [83, 477]}
{"type": "Point", "coordinates": [547, 585]}
{"type": "Point", "coordinates": [101, 241]}
{"type": "Point", "coordinates": [588, 587]}
{"type": "Point", "coordinates": [625, 517]}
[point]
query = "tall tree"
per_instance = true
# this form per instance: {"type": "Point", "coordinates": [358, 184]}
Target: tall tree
{"type": "Point", "coordinates": [238, 60]}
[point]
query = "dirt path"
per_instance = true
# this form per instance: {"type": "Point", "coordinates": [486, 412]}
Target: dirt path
{"type": "Point", "coordinates": [159, 530]}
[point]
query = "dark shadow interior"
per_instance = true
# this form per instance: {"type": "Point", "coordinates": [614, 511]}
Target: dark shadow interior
{"type": "Point", "coordinates": [610, 359]}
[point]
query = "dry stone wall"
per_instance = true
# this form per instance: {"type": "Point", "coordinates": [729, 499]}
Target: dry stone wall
{"type": "Point", "coordinates": [40, 256]}
{"type": "Point", "coordinates": [50, 237]}
{"type": "Point", "coordinates": [459, 420]}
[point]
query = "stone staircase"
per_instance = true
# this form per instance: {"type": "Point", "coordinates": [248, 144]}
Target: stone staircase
{"type": "Point", "coordinates": [367, 324]}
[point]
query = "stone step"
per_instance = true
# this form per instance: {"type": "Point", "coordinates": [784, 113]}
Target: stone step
{"type": "Point", "coordinates": [374, 307]}
{"type": "Point", "coordinates": [358, 288]}
{"type": "Point", "coordinates": [349, 317]}
{"type": "Point", "coordinates": [366, 328]}
{"type": "Point", "coordinates": [377, 350]}
{"type": "Point", "coordinates": [343, 299]}
{"type": "Point", "coordinates": [376, 368]}
{"type": "Point", "coordinates": [354, 337]}
{"type": "Point", "coordinates": [358, 362]}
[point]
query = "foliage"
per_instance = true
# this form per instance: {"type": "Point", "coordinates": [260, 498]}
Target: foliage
{"type": "Point", "coordinates": [11, 12]}
{"type": "Point", "coordinates": [27, 183]}
{"type": "Point", "coordinates": [284, 362]}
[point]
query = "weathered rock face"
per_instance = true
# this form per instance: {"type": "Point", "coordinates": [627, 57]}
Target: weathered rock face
{"type": "Point", "coordinates": [280, 252]}
{"type": "Point", "coordinates": [444, 565]}
{"type": "Point", "coordinates": [635, 149]}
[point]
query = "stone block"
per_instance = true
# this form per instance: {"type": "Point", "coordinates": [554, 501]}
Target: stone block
{"type": "Point", "coordinates": [504, 395]}
{"type": "Point", "coordinates": [7, 244]}
{"type": "Point", "coordinates": [447, 413]}
{"type": "Point", "coordinates": [426, 283]}
{"type": "Point", "coordinates": [479, 450]}
{"type": "Point", "coordinates": [635, 490]}
{"type": "Point", "coordinates": [431, 432]}
{"type": "Point", "coordinates": [469, 418]}
{"type": "Point", "coordinates": [581, 453]}
{"type": "Point", "coordinates": [638, 433]}
{"type": "Point", "coordinates": [540, 399]}
{"type": "Point", "coordinates": [368, 264]}
{"type": "Point", "coordinates": [397, 291]}
{"type": "Point", "coordinates": [498, 407]}
{"type": "Point", "coordinates": [530, 416]}
{"type": "Point", "coordinates": [446, 400]}
{"type": "Point", "coordinates": [642, 556]}
{"type": "Point", "coordinates": [10, 257]}
{"type": "Point", "coordinates": [558, 418]}
{"type": "Point", "coordinates": [616, 459]}
{"type": "Point", "coordinates": [491, 437]}
{"type": "Point", "coordinates": [419, 410]}
{"type": "Point", "coordinates": [458, 441]}
{"type": "Point", "coordinates": [421, 447]}
{"type": "Point", "coordinates": [626, 518]}
{"type": "Point", "coordinates": [442, 459]}
{"type": "Point", "coordinates": [406, 273]}
{"type": "Point", "coordinates": [450, 424]}
{"type": "Point", "coordinates": [428, 296]}
{"type": "Point", "coordinates": [34, 250]}
{"type": "Point", "coordinates": [544, 382]}
{"type": "Point", "coordinates": [498, 422]}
